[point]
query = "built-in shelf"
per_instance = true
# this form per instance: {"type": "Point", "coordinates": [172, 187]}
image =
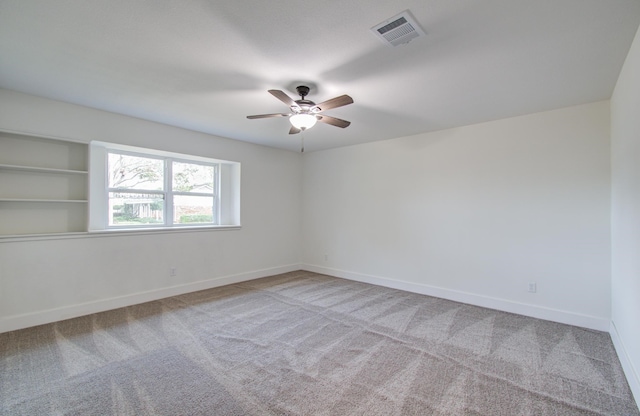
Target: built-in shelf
{"type": "Point", "coordinates": [74, 201]}
{"type": "Point", "coordinates": [43, 170]}
{"type": "Point", "coordinates": [43, 185]}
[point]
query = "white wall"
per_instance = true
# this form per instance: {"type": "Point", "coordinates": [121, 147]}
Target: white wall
{"type": "Point", "coordinates": [473, 214]}
{"type": "Point", "coordinates": [48, 280]}
{"type": "Point", "coordinates": [625, 214]}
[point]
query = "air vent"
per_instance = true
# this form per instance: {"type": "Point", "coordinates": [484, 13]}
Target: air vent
{"type": "Point", "coordinates": [398, 30]}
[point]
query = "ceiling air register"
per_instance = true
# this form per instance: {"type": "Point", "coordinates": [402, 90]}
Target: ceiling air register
{"type": "Point", "coordinates": [398, 30]}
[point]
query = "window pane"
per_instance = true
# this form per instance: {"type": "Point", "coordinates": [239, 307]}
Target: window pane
{"type": "Point", "coordinates": [190, 177]}
{"type": "Point", "coordinates": [127, 208]}
{"type": "Point", "coordinates": [192, 209]}
{"type": "Point", "coordinates": [134, 172]}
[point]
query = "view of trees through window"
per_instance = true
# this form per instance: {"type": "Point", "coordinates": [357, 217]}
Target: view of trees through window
{"type": "Point", "coordinates": [139, 192]}
{"type": "Point", "coordinates": [193, 193]}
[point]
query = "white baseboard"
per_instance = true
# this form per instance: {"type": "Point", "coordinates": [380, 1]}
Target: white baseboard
{"type": "Point", "coordinates": [633, 378]}
{"type": "Point", "coordinates": [12, 323]}
{"type": "Point", "coordinates": [555, 315]}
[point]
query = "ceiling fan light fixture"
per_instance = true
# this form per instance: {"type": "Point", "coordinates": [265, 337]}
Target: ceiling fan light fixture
{"type": "Point", "coordinates": [303, 121]}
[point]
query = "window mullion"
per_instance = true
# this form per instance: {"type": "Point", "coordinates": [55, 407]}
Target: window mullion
{"type": "Point", "coordinates": [216, 192]}
{"type": "Point", "coordinates": [168, 189]}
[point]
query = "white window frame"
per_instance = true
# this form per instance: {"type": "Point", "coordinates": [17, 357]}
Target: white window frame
{"type": "Point", "coordinates": [226, 193]}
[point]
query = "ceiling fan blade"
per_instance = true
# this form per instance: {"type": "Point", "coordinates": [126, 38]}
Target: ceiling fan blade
{"type": "Point", "coordinates": [294, 130]}
{"type": "Point", "coordinates": [333, 121]}
{"type": "Point", "coordinates": [282, 96]}
{"type": "Point", "coordinates": [268, 115]}
{"type": "Point", "coordinates": [334, 103]}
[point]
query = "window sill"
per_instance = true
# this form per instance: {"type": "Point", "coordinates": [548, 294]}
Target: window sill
{"type": "Point", "coordinates": [116, 232]}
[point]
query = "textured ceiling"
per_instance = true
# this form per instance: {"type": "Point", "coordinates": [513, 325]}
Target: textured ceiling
{"type": "Point", "coordinates": [204, 64]}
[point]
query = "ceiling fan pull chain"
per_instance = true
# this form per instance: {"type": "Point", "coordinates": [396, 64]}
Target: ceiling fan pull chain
{"type": "Point", "coordinates": [302, 142]}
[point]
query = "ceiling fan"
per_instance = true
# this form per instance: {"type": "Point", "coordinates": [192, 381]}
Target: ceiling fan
{"type": "Point", "coordinates": [305, 113]}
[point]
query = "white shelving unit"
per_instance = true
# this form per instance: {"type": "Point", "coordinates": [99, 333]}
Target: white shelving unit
{"type": "Point", "coordinates": [43, 185]}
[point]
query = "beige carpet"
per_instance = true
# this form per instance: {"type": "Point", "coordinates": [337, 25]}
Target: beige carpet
{"type": "Point", "coordinates": [307, 344]}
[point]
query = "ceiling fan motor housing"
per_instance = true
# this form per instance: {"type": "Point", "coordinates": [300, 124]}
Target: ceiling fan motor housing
{"type": "Point", "coordinates": [305, 105]}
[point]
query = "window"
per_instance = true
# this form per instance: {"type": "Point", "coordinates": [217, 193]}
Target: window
{"type": "Point", "coordinates": [132, 188]}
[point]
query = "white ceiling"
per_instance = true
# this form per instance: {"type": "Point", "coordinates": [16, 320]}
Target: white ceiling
{"type": "Point", "coordinates": [207, 64]}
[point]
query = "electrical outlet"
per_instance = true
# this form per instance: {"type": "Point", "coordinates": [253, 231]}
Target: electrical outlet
{"type": "Point", "coordinates": [532, 287]}
{"type": "Point", "coordinates": [173, 272]}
